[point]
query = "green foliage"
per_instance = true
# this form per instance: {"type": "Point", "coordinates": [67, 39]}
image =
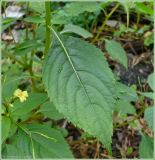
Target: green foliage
{"type": "Point", "coordinates": [7, 22]}
{"type": "Point", "coordinates": [22, 110]}
{"type": "Point", "coordinates": [149, 40]}
{"type": "Point", "coordinates": [35, 19]}
{"type": "Point", "coordinates": [116, 52]}
{"type": "Point", "coordinates": [145, 9]}
{"type": "Point", "coordinates": [37, 7]}
{"type": "Point", "coordinates": [10, 81]}
{"type": "Point", "coordinates": [85, 135]}
{"type": "Point", "coordinates": [8, 89]}
{"type": "Point", "coordinates": [146, 147]}
{"type": "Point", "coordinates": [125, 93]}
{"type": "Point", "coordinates": [124, 107]}
{"type": "Point", "coordinates": [150, 80]}
{"type": "Point", "coordinates": [127, 5]}
{"type": "Point", "coordinates": [28, 46]}
{"type": "Point", "coordinates": [75, 8]}
{"type": "Point", "coordinates": [147, 94]}
{"type": "Point", "coordinates": [48, 109]}
{"type": "Point", "coordinates": [129, 150]}
{"type": "Point", "coordinates": [38, 141]}
{"type": "Point", "coordinates": [79, 82]}
{"type": "Point", "coordinates": [148, 116]}
{"type": "Point", "coordinates": [74, 12]}
{"type": "Point", "coordinates": [70, 28]}
{"type": "Point", "coordinates": [86, 87]}
{"type": "Point", "coordinates": [6, 123]}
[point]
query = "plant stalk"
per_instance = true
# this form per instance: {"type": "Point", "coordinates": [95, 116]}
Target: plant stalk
{"type": "Point", "coordinates": [104, 23]}
{"type": "Point", "coordinates": [27, 12]}
{"type": "Point", "coordinates": [31, 63]}
{"type": "Point", "coordinates": [48, 24]}
{"type": "Point", "coordinates": [134, 118]}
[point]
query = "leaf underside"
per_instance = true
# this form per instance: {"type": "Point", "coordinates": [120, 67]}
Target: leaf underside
{"type": "Point", "coordinates": [80, 84]}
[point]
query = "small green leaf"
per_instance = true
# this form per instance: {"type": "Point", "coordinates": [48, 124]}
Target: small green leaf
{"type": "Point", "coordinates": [27, 47]}
{"type": "Point", "coordinates": [143, 8]}
{"type": "Point", "coordinates": [125, 92]}
{"type": "Point", "coordinates": [11, 79]}
{"type": "Point", "coordinates": [70, 28]}
{"type": "Point", "coordinates": [6, 123]}
{"type": "Point", "coordinates": [7, 22]}
{"type": "Point", "coordinates": [60, 19]}
{"type": "Point", "coordinates": [117, 52]}
{"type": "Point", "coordinates": [125, 107]}
{"type": "Point", "coordinates": [129, 150]}
{"type": "Point", "coordinates": [75, 8]}
{"type": "Point", "coordinates": [147, 94]}
{"type": "Point", "coordinates": [38, 7]}
{"type": "Point", "coordinates": [22, 109]}
{"type": "Point", "coordinates": [148, 116]}
{"type": "Point", "coordinates": [48, 109]}
{"type": "Point", "coordinates": [146, 147]}
{"type": "Point", "coordinates": [150, 80]}
{"type": "Point", "coordinates": [35, 19]}
{"type": "Point", "coordinates": [149, 40]}
{"type": "Point", "coordinates": [8, 89]}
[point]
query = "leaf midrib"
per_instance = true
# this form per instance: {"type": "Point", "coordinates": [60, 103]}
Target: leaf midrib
{"type": "Point", "coordinates": [72, 65]}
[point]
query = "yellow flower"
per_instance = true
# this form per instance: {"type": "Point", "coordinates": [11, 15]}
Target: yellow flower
{"type": "Point", "coordinates": [22, 95]}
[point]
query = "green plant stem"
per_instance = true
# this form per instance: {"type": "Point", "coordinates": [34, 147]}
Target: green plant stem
{"type": "Point", "coordinates": [27, 31]}
{"type": "Point", "coordinates": [48, 24]}
{"type": "Point", "coordinates": [134, 118]}
{"type": "Point", "coordinates": [138, 19]}
{"type": "Point", "coordinates": [27, 12]}
{"type": "Point", "coordinates": [30, 68]}
{"type": "Point", "coordinates": [104, 23]}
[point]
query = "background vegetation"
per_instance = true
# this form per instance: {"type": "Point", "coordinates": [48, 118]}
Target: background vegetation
{"type": "Point", "coordinates": [32, 126]}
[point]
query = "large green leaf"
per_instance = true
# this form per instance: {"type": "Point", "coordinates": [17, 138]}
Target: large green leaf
{"type": "Point", "coordinates": [80, 84]}
{"type": "Point", "coordinates": [6, 123]}
{"type": "Point", "coordinates": [146, 147]}
{"type": "Point", "coordinates": [117, 52]}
